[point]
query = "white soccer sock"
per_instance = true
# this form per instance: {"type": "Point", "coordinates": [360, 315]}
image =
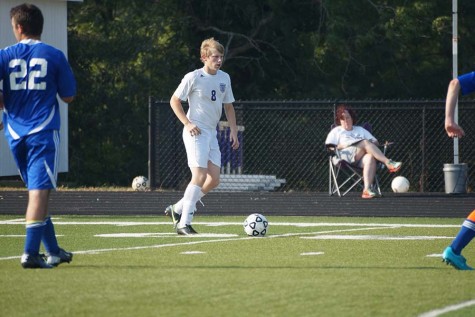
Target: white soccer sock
{"type": "Point", "coordinates": [179, 204]}
{"type": "Point", "coordinates": [191, 196]}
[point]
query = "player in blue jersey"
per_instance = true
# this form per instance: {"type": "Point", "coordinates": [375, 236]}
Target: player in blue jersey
{"type": "Point", "coordinates": [453, 254]}
{"type": "Point", "coordinates": [33, 75]}
{"type": "Point", "coordinates": [1, 108]}
{"type": "Point", "coordinates": [207, 90]}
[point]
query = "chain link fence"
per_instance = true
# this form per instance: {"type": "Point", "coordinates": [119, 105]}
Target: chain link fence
{"type": "Point", "coordinates": [282, 144]}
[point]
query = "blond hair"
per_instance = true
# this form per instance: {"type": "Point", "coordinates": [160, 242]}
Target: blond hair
{"type": "Point", "coordinates": [209, 44]}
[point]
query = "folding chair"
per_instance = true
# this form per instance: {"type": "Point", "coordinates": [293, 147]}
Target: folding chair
{"type": "Point", "coordinates": [343, 176]}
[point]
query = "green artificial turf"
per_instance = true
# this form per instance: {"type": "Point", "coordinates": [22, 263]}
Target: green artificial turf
{"type": "Point", "coordinates": [222, 272]}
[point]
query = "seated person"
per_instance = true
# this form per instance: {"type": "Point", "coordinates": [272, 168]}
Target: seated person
{"type": "Point", "coordinates": [358, 147]}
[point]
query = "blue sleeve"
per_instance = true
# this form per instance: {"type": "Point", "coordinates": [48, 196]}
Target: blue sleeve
{"type": "Point", "coordinates": [66, 80]}
{"type": "Point", "coordinates": [467, 83]}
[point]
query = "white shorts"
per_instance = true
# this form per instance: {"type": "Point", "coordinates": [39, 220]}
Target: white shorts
{"type": "Point", "coordinates": [348, 154]}
{"type": "Point", "coordinates": [202, 148]}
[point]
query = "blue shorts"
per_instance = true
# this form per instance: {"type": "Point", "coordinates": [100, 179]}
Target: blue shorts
{"type": "Point", "coordinates": [467, 83]}
{"type": "Point", "coordinates": [36, 157]}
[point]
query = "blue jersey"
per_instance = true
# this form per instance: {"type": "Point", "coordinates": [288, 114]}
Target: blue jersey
{"type": "Point", "coordinates": [33, 74]}
{"type": "Point", "coordinates": [467, 83]}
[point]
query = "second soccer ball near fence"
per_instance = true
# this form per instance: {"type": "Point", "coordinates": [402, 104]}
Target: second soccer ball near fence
{"type": "Point", "coordinates": [140, 183]}
{"type": "Point", "coordinates": [400, 184]}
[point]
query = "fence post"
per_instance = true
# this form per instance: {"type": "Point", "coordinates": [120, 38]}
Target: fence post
{"type": "Point", "coordinates": [151, 143]}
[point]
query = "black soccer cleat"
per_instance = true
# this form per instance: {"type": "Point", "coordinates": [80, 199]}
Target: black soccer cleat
{"type": "Point", "coordinates": [186, 231]}
{"type": "Point", "coordinates": [34, 262]}
{"type": "Point", "coordinates": [61, 257]}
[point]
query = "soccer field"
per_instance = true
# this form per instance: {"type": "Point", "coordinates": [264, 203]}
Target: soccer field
{"type": "Point", "coordinates": [305, 266]}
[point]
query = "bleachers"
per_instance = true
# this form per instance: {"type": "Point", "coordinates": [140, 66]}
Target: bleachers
{"type": "Point", "coordinates": [242, 182]}
{"type": "Point", "coordinates": [232, 179]}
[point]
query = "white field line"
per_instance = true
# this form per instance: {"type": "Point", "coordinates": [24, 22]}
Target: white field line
{"type": "Point", "coordinates": [366, 226]}
{"type": "Point", "coordinates": [312, 253]}
{"type": "Point", "coordinates": [374, 237]}
{"type": "Point", "coordinates": [217, 224]}
{"type": "Point", "coordinates": [325, 232]}
{"type": "Point", "coordinates": [164, 235]}
{"type": "Point", "coordinates": [159, 246]}
{"type": "Point", "coordinates": [447, 309]}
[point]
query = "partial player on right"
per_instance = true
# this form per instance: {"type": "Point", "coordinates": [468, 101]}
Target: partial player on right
{"type": "Point", "coordinates": [452, 254]}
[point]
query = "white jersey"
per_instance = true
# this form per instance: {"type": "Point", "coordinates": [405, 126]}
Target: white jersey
{"type": "Point", "coordinates": [205, 94]}
{"type": "Point", "coordinates": [340, 136]}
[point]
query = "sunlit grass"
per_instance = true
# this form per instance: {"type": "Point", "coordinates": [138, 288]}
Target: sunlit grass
{"type": "Point", "coordinates": [287, 273]}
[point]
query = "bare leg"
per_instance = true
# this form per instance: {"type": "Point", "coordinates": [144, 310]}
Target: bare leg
{"type": "Point", "coordinates": [212, 179]}
{"type": "Point", "coordinates": [37, 205]}
{"type": "Point", "coordinates": [369, 170]}
{"type": "Point", "coordinates": [198, 176]}
{"type": "Point", "coordinates": [366, 146]}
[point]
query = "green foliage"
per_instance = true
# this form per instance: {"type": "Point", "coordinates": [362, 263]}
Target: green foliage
{"type": "Point", "coordinates": [124, 51]}
{"type": "Point", "coordinates": [121, 54]}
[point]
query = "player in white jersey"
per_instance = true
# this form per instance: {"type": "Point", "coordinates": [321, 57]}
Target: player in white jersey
{"type": "Point", "coordinates": [33, 75]}
{"type": "Point", "coordinates": [206, 90]}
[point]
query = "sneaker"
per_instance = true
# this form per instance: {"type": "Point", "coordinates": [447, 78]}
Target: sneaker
{"type": "Point", "coordinates": [393, 167]}
{"type": "Point", "coordinates": [170, 212]}
{"type": "Point", "coordinates": [34, 262]}
{"type": "Point", "coordinates": [457, 261]}
{"type": "Point", "coordinates": [61, 257]}
{"type": "Point", "coordinates": [186, 231]}
{"type": "Point", "coordinates": [368, 194]}
{"type": "Point", "coordinates": [376, 192]}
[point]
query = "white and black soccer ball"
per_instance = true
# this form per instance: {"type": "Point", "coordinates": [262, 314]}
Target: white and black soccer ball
{"type": "Point", "coordinates": [256, 225]}
{"type": "Point", "coordinates": [400, 184]}
{"type": "Point", "coordinates": [140, 183]}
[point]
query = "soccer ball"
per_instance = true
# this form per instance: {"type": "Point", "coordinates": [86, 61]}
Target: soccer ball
{"type": "Point", "coordinates": [140, 183]}
{"type": "Point", "coordinates": [400, 184]}
{"type": "Point", "coordinates": [256, 225]}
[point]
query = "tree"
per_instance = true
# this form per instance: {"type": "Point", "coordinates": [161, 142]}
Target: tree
{"type": "Point", "coordinates": [123, 51]}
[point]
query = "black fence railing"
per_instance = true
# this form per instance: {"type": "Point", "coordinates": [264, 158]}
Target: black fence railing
{"type": "Point", "coordinates": [282, 144]}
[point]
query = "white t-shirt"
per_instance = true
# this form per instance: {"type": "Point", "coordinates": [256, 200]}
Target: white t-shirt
{"type": "Point", "coordinates": [206, 94]}
{"type": "Point", "coordinates": [340, 136]}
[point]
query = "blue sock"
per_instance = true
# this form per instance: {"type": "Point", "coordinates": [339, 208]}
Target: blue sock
{"type": "Point", "coordinates": [49, 237]}
{"type": "Point", "coordinates": [34, 232]}
{"type": "Point", "coordinates": [465, 235]}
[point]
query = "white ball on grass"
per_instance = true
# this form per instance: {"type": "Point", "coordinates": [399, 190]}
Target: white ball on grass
{"type": "Point", "coordinates": [256, 225]}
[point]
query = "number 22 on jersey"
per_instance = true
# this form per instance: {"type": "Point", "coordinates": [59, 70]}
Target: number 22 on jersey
{"type": "Point", "coordinates": [31, 76]}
